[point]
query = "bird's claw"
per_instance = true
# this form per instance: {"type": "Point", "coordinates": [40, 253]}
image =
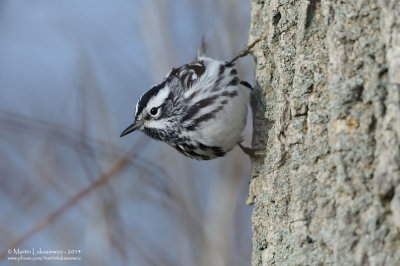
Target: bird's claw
{"type": "Point", "coordinates": [251, 151]}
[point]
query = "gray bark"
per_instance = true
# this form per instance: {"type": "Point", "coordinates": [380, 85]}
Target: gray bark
{"type": "Point", "coordinates": [327, 114]}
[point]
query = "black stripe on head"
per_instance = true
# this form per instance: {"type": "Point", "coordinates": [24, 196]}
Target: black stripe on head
{"type": "Point", "coordinates": [174, 73]}
{"type": "Point", "coordinates": [147, 96]}
{"type": "Point", "coordinates": [186, 73]}
{"type": "Point", "coordinates": [198, 68]}
{"type": "Point", "coordinates": [187, 77]}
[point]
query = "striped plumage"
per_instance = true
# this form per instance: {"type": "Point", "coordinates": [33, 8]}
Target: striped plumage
{"type": "Point", "coordinates": [200, 109]}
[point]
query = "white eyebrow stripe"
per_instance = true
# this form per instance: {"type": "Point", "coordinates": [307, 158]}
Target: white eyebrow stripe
{"type": "Point", "coordinates": [158, 99]}
{"type": "Point", "coordinates": [136, 108]}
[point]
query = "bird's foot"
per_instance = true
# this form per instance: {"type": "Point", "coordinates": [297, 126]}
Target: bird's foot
{"type": "Point", "coordinates": [252, 152]}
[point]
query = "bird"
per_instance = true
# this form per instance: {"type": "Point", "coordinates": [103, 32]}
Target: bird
{"type": "Point", "coordinates": [199, 108]}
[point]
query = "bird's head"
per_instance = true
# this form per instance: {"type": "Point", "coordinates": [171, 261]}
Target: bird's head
{"type": "Point", "coordinates": [154, 113]}
{"type": "Point", "coordinates": [161, 109]}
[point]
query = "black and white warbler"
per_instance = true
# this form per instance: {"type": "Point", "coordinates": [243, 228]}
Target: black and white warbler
{"type": "Point", "coordinates": [200, 108]}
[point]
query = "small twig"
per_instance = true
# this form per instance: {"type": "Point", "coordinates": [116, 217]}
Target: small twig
{"type": "Point", "coordinates": [39, 226]}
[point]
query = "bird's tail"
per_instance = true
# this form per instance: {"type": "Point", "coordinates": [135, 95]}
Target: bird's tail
{"type": "Point", "coordinates": [201, 52]}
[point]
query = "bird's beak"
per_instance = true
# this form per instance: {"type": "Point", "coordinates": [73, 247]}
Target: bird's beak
{"type": "Point", "coordinates": [136, 125]}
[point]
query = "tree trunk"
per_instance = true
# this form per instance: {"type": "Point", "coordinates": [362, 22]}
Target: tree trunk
{"type": "Point", "coordinates": [327, 112]}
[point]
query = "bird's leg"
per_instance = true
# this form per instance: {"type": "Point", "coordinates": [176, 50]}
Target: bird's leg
{"type": "Point", "coordinates": [246, 50]}
{"type": "Point", "coordinates": [251, 152]}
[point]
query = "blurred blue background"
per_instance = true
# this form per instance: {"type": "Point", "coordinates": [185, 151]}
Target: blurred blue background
{"type": "Point", "coordinates": [70, 75]}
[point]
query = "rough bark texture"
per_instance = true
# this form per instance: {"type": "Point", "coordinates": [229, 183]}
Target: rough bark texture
{"type": "Point", "coordinates": [327, 113]}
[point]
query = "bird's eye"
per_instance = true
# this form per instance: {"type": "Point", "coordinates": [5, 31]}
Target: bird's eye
{"type": "Point", "coordinates": [153, 111]}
